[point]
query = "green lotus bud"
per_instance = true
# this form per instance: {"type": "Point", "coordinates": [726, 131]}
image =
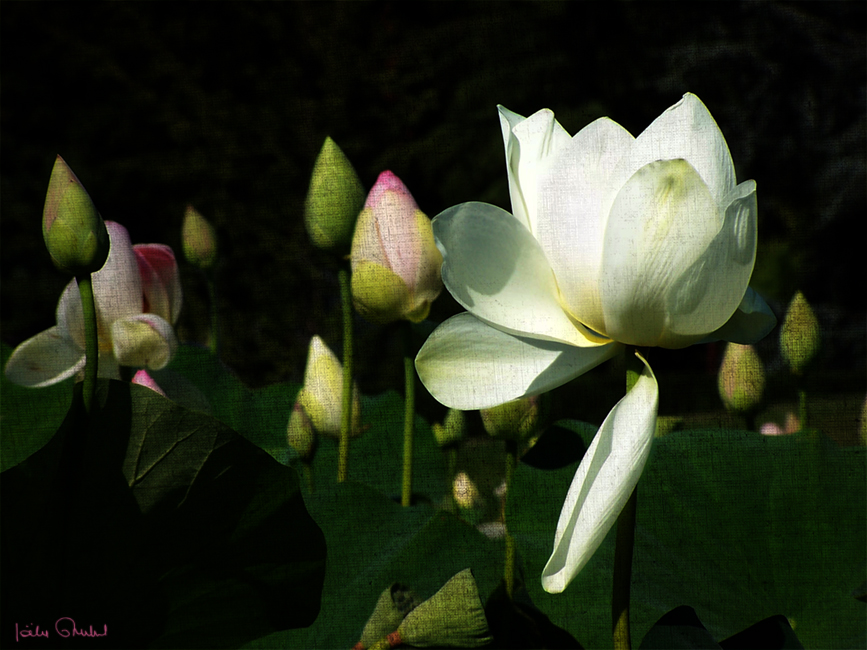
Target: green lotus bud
{"type": "Point", "coordinates": [452, 617]}
{"type": "Point", "coordinates": [74, 233]}
{"type": "Point", "coordinates": [322, 394]}
{"type": "Point", "coordinates": [392, 607]}
{"type": "Point", "coordinates": [452, 430]}
{"type": "Point", "coordinates": [741, 379]}
{"type": "Point", "coordinates": [517, 420]}
{"type": "Point", "coordinates": [334, 200]}
{"type": "Point", "coordinates": [799, 335]}
{"type": "Point", "coordinates": [199, 239]}
{"type": "Point", "coordinates": [300, 433]}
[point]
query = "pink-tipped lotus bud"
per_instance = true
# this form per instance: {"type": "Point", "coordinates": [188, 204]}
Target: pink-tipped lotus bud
{"type": "Point", "coordinates": [741, 378]}
{"type": "Point", "coordinates": [799, 335]}
{"type": "Point", "coordinates": [333, 200]}
{"type": "Point", "coordinates": [74, 233]}
{"type": "Point", "coordinates": [395, 261]}
{"type": "Point", "coordinates": [199, 239]}
{"type": "Point", "coordinates": [143, 378]}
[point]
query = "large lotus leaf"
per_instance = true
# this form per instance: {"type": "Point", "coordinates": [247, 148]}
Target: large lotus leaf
{"type": "Point", "coordinates": [161, 523]}
{"type": "Point", "coordinates": [198, 380]}
{"type": "Point", "coordinates": [29, 416]}
{"type": "Point", "coordinates": [374, 542]}
{"type": "Point", "coordinates": [739, 526]}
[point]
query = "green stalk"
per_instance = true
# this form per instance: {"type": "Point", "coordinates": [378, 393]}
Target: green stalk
{"type": "Point", "coordinates": [91, 339]}
{"type": "Point", "coordinates": [802, 409]}
{"type": "Point", "coordinates": [346, 413]}
{"type": "Point", "coordinates": [212, 299]}
{"type": "Point", "coordinates": [408, 416]}
{"type": "Point", "coordinates": [625, 541]}
{"type": "Point", "coordinates": [509, 565]}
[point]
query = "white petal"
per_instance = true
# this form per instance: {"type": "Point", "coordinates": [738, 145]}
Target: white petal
{"type": "Point", "coordinates": [751, 322]}
{"type": "Point", "coordinates": [570, 223]}
{"type": "Point", "coordinates": [468, 365]}
{"type": "Point", "coordinates": [685, 130]}
{"type": "Point", "coordinates": [530, 146]}
{"type": "Point", "coordinates": [605, 479]}
{"type": "Point", "coordinates": [143, 340]}
{"type": "Point", "coordinates": [45, 359]}
{"type": "Point", "coordinates": [494, 267]}
{"type": "Point", "coordinates": [674, 268]}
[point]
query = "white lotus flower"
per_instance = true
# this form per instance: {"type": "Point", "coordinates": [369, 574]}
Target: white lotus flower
{"type": "Point", "coordinates": [614, 240]}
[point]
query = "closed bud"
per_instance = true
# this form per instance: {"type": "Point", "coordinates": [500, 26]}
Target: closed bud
{"type": "Point", "coordinates": [395, 261]}
{"type": "Point", "coordinates": [518, 420]}
{"type": "Point", "coordinates": [74, 233]}
{"type": "Point", "coordinates": [300, 434]}
{"type": "Point", "coordinates": [333, 200]}
{"type": "Point", "coordinates": [322, 394]}
{"type": "Point", "coordinates": [199, 239]}
{"type": "Point", "coordinates": [799, 335]}
{"type": "Point", "coordinates": [741, 379]}
{"type": "Point", "coordinates": [452, 430]}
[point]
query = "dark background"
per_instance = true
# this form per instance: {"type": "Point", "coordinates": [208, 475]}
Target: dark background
{"type": "Point", "coordinates": [225, 106]}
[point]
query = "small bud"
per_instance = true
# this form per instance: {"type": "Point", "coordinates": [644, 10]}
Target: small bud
{"type": "Point", "coordinates": [517, 420]}
{"type": "Point", "coordinates": [395, 261]}
{"type": "Point", "coordinates": [465, 492]}
{"type": "Point", "coordinates": [452, 430]}
{"type": "Point", "coordinates": [300, 434]}
{"type": "Point", "coordinates": [334, 200]}
{"type": "Point", "coordinates": [322, 394]}
{"type": "Point", "coordinates": [74, 233]}
{"type": "Point", "coordinates": [199, 239]}
{"type": "Point", "coordinates": [392, 607]}
{"type": "Point", "coordinates": [452, 617]}
{"type": "Point", "coordinates": [741, 380]}
{"type": "Point", "coordinates": [799, 335]}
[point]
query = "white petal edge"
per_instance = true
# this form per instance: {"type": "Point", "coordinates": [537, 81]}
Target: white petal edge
{"type": "Point", "coordinates": [605, 479]}
{"type": "Point", "coordinates": [685, 130]}
{"type": "Point", "coordinates": [751, 322]}
{"type": "Point", "coordinates": [496, 269]}
{"type": "Point", "coordinates": [143, 340]}
{"type": "Point", "coordinates": [530, 145]}
{"type": "Point", "coordinates": [44, 359]}
{"type": "Point", "coordinates": [466, 364]}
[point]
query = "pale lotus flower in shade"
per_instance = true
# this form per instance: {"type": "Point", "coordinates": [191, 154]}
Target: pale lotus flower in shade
{"type": "Point", "coordinates": [614, 240]}
{"type": "Point", "coordinates": [138, 298]}
{"type": "Point", "coordinates": [321, 397]}
{"type": "Point", "coordinates": [395, 261]}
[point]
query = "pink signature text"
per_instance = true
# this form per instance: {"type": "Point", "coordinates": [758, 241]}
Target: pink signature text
{"type": "Point", "coordinates": [64, 627]}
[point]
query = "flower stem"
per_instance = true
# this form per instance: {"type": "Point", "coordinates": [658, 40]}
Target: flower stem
{"type": "Point", "coordinates": [408, 416]}
{"type": "Point", "coordinates": [624, 543]}
{"type": "Point", "coordinates": [509, 565]}
{"type": "Point", "coordinates": [212, 299]}
{"type": "Point", "coordinates": [346, 413]}
{"type": "Point", "coordinates": [802, 409]}
{"type": "Point", "coordinates": [91, 339]}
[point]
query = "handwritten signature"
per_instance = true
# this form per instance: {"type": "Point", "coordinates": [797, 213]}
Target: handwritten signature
{"type": "Point", "coordinates": [64, 627]}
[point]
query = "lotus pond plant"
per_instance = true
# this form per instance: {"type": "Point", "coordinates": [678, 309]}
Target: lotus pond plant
{"type": "Point", "coordinates": [613, 241]}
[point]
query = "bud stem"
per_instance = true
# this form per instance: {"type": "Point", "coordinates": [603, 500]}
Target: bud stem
{"type": "Point", "coordinates": [212, 298]}
{"type": "Point", "coordinates": [91, 340]}
{"type": "Point", "coordinates": [346, 413]}
{"type": "Point", "coordinates": [625, 541]}
{"type": "Point", "coordinates": [509, 565]}
{"type": "Point", "coordinates": [408, 415]}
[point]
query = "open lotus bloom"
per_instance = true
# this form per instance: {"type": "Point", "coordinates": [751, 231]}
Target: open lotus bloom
{"type": "Point", "coordinates": [613, 240]}
{"type": "Point", "coordinates": [395, 262]}
{"type": "Point", "coordinates": [321, 397]}
{"type": "Point", "coordinates": [138, 299]}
